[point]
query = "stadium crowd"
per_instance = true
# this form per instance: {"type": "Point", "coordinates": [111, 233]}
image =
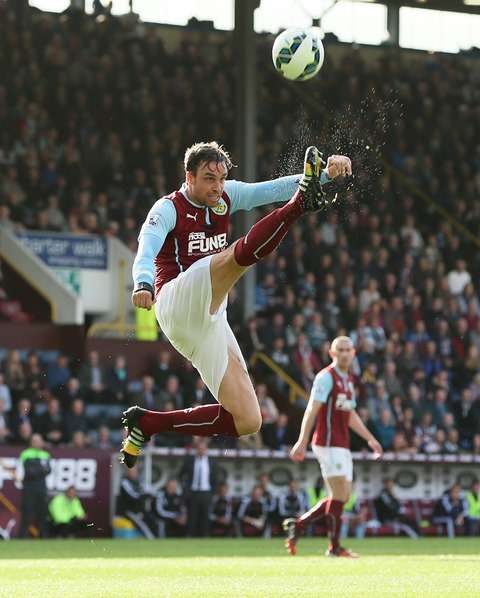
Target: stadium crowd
{"type": "Point", "coordinates": [80, 152]}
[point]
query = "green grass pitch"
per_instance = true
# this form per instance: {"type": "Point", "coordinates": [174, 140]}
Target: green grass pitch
{"type": "Point", "coordinates": [237, 568]}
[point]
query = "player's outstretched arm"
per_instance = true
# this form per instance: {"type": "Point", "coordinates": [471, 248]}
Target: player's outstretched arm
{"type": "Point", "coordinates": [361, 429]}
{"type": "Point", "coordinates": [298, 451]}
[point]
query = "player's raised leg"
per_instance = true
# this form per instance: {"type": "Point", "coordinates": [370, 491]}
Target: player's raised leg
{"type": "Point", "coordinates": [238, 412]}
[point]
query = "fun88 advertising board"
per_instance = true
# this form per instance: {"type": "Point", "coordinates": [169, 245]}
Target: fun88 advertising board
{"type": "Point", "coordinates": [87, 470]}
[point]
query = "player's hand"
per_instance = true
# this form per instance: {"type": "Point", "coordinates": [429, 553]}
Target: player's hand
{"type": "Point", "coordinates": [143, 299]}
{"type": "Point", "coordinates": [339, 166]}
{"type": "Point", "coordinates": [298, 451]}
{"type": "Point", "coordinates": [376, 448]}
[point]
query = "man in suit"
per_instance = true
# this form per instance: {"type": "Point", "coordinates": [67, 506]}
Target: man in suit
{"type": "Point", "coordinates": [198, 475]}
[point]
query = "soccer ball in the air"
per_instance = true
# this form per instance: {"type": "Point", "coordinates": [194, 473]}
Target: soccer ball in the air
{"type": "Point", "coordinates": [298, 54]}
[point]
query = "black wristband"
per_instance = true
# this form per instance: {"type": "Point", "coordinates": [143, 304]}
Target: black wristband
{"type": "Point", "coordinates": [144, 286]}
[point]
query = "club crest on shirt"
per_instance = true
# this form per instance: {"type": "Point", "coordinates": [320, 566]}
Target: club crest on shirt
{"type": "Point", "coordinates": [221, 208]}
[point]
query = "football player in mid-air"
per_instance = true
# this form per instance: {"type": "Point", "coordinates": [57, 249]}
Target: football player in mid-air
{"type": "Point", "coordinates": [331, 409]}
{"type": "Point", "coordinates": [185, 268]}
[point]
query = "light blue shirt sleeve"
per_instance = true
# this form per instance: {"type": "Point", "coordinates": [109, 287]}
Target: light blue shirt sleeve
{"type": "Point", "coordinates": [322, 386]}
{"type": "Point", "coordinates": [246, 196]}
{"type": "Point", "coordinates": [161, 219]}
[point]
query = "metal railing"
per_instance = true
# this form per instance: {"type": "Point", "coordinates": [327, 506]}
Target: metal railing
{"type": "Point", "coordinates": [413, 188]}
{"type": "Point", "coordinates": [295, 390]}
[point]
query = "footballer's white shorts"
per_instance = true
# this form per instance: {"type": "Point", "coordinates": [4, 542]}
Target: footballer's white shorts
{"type": "Point", "coordinates": [183, 312]}
{"type": "Point", "coordinates": [334, 461]}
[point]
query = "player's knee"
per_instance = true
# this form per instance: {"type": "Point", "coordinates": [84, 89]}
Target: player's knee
{"type": "Point", "coordinates": [249, 424]}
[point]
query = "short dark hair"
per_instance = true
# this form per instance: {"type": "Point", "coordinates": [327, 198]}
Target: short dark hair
{"type": "Point", "coordinates": [206, 152]}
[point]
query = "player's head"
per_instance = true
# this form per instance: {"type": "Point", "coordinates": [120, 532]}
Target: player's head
{"type": "Point", "coordinates": [206, 170]}
{"type": "Point", "coordinates": [342, 351]}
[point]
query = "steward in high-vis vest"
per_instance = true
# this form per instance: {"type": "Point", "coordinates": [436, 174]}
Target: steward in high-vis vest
{"type": "Point", "coordinates": [36, 467]}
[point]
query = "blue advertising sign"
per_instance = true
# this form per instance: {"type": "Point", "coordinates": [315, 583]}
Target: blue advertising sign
{"type": "Point", "coordinates": [68, 251]}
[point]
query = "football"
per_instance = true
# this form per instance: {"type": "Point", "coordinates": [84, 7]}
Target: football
{"type": "Point", "coordinates": [298, 54]}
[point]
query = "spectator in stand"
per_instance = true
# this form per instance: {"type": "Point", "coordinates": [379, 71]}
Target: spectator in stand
{"type": "Point", "coordinates": [22, 413]}
{"type": "Point", "coordinates": [451, 510]}
{"type": "Point", "coordinates": [221, 512]}
{"type": "Point", "coordinates": [393, 385]}
{"type": "Point", "coordinates": [201, 395]}
{"type": "Point", "coordinates": [5, 395]}
{"type": "Point", "coordinates": [476, 444]}
{"type": "Point", "coordinates": [268, 408]}
{"type": "Point", "coordinates": [472, 520]}
{"type": "Point", "coordinates": [466, 417]}
{"type": "Point", "coordinates": [281, 357]}
{"type": "Point", "coordinates": [75, 420]}
{"type": "Point", "coordinates": [171, 392]}
{"type": "Point", "coordinates": [390, 511]}
{"type": "Point", "coordinates": [58, 372]}
{"type": "Point", "coordinates": [170, 508]}
{"type": "Point", "coordinates": [148, 397]}
{"type": "Point", "coordinates": [439, 408]}
{"type": "Point", "coordinates": [70, 392]}
{"type": "Point", "coordinates": [14, 373]}
{"type": "Point", "coordinates": [252, 513]}
{"type": "Point", "coordinates": [102, 439]}
{"type": "Point", "coordinates": [117, 380]}
{"type": "Point", "coordinates": [34, 376]}
{"type": "Point", "coordinates": [426, 430]}
{"type": "Point", "coordinates": [4, 429]}
{"type": "Point", "coordinates": [379, 402]}
{"type": "Point", "coordinates": [79, 440]}
{"type": "Point", "coordinates": [163, 368]}
{"type": "Point", "coordinates": [279, 436]}
{"type": "Point", "coordinates": [93, 378]}
{"type": "Point", "coordinates": [400, 444]}
{"type": "Point", "coordinates": [459, 278]}
{"type": "Point", "coordinates": [451, 444]}
{"type": "Point", "coordinates": [50, 423]}
{"type": "Point", "coordinates": [385, 429]}
{"type": "Point", "coordinates": [436, 445]}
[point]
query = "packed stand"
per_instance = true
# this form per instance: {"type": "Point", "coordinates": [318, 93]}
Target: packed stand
{"type": "Point", "coordinates": [80, 152]}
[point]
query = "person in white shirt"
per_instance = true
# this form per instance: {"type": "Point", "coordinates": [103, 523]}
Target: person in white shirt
{"type": "Point", "coordinates": [458, 278]}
